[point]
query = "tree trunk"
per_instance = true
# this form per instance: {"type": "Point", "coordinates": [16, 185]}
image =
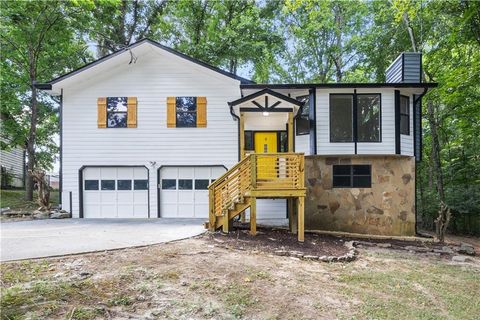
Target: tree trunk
{"type": "Point", "coordinates": [31, 140]}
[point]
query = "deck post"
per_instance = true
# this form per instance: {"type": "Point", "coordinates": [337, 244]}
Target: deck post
{"type": "Point", "coordinates": [226, 223]}
{"type": "Point", "coordinates": [211, 214]}
{"type": "Point", "coordinates": [253, 216]}
{"type": "Point", "coordinates": [290, 132]}
{"type": "Point", "coordinates": [301, 220]}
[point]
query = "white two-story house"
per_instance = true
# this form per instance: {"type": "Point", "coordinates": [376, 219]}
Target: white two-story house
{"type": "Point", "coordinates": [145, 131]}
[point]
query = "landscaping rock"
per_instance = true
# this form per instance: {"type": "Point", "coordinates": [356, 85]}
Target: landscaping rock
{"type": "Point", "coordinates": [4, 210]}
{"type": "Point", "coordinates": [466, 248]}
{"type": "Point", "coordinates": [447, 250]}
{"type": "Point", "coordinates": [59, 215]}
{"type": "Point", "coordinates": [460, 259]}
{"type": "Point", "coordinates": [37, 214]}
{"type": "Point", "coordinates": [308, 257]}
{"type": "Point", "coordinates": [281, 253]}
{"type": "Point", "coordinates": [384, 245]}
{"type": "Point", "coordinates": [417, 249]}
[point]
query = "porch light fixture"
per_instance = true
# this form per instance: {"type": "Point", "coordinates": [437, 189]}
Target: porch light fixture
{"type": "Point", "coordinates": [265, 113]}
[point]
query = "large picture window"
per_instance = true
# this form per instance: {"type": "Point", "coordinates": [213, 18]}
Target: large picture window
{"type": "Point", "coordinates": [117, 112]}
{"type": "Point", "coordinates": [404, 115]}
{"type": "Point", "coordinates": [367, 117]}
{"type": "Point", "coordinates": [352, 176]}
{"type": "Point", "coordinates": [186, 111]}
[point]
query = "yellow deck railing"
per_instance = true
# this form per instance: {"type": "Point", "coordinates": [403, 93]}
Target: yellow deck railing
{"type": "Point", "coordinates": [271, 174]}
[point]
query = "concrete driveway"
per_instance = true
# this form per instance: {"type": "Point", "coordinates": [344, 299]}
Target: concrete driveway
{"type": "Point", "coordinates": [46, 238]}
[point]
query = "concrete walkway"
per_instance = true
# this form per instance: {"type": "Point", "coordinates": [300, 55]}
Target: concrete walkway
{"type": "Point", "coordinates": [46, 238]}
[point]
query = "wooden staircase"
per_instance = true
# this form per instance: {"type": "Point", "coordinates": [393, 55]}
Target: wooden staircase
{"type": "Point", "coordinates": [272, 175]}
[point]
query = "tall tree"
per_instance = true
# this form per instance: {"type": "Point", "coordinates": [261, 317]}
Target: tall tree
{"type": "Point", "coordinates": [38, 42]}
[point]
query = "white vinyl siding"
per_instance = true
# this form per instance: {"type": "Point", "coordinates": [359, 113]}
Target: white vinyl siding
{"type": "Point", "coordinates": [14, 162]}
{"type": "Point", "coordinates": [151, 79]}
{"type": "Point", "coordinates": [302, 144]}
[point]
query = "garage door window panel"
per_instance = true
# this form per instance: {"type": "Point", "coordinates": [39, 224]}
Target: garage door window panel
{"type": "Point", "coordinates": [140, 185]}
{"type": "Point", "coordinates": [185, 184]}
{"type": "Point", "coordinates": [124, 184]}
{"type": "Point", "coordinates": [169, 184]}
{"type": "Point", "coordinates": [91, 184]}
{"type": "Point", "coordinates": [201, 184]}
{"type": "Point", "coordinates": [108, 185]}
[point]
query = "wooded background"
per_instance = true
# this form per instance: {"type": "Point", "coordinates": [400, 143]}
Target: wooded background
{"type": "Point", "coordinates": [269, 41]}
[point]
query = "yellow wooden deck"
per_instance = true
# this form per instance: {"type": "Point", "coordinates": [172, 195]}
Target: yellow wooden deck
{"type": "Point", "coordinates": [269, 175]}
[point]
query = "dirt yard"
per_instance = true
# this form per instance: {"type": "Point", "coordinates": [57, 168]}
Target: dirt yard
{"type": "Point", "coordinates": [202, 279]}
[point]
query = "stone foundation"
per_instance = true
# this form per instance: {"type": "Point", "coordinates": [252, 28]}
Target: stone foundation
{"type": "Point", "coordinates": [387, 208]}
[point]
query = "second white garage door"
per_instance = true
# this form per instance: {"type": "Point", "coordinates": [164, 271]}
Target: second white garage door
{"type": "Point", "coordinates": [184, 190]}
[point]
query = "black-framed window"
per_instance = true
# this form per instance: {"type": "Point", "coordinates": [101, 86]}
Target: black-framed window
{"type": "Point", "coordinates": [341, 117]}
{"type": "Point", "coordinates": [185, 184]}
{"type": "Point", "coordinates": [186, 112]}
{"type": "Point", "coordinates": [117, 112]}
{"type": "Point", "coordinates": [140, 184]}
{"type": "Point", "coordinates": [169, 184]}
{"type": "Point", "coordinates": [352, 176]}
{"type": "Point", "coordinates": [404, 115]}
{"type": "Point", "coordinates": [368, 117]}
{"type": "Point", "coordinates": [201, 184]}
{"type": "Point", "coordinates": [124, 184]}
{"type": "Point", "coordinates": [107, 185]}
{"type": "Point", "coordinates": [302, 122]}
{"type": "Point", "coordinates": [91, 184]}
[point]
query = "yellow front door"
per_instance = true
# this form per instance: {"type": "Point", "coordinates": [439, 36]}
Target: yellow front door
{"type": "Point", "coordinates": [266, 142]}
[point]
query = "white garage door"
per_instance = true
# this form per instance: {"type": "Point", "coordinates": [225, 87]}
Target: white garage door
{"type": "Point", "coordinates": [184, 191]}
{"type": "Point", "coordinates": [115, 192]}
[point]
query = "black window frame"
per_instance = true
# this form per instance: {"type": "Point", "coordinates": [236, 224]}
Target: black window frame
{"type": "Point", "coordinates": [117, 112]}
{"type": "Point", "coordinates": [355, 117]}
{"type": "Point", "coordinates": [405, 115]}
{"type": "Point", "coordinates": [194, 125]}
{"type": "Point", "coordinates": [302, 121]}
{"type": "Point", "coordinates": [352, 175]}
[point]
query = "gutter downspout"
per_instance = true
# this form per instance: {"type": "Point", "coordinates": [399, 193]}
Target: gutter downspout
{"type": "Point", "coordinates": [415, 134]}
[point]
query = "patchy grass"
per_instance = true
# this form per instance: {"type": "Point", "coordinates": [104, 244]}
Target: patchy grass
{"type": "Point", "coordinates": [193, 280]}
{"type": "Point", "coordinates": [15, 200]}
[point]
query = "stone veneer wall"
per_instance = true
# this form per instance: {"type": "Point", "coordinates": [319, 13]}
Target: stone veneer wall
{"type": "Point", "coordinates": [387, 208]}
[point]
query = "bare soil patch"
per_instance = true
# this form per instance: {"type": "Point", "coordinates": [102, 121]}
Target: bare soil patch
{"type": "Point", "coordinates": [271, 239]}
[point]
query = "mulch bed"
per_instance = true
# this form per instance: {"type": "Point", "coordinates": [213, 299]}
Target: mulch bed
{"type": "Point", "coordinates": [270, 240]}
